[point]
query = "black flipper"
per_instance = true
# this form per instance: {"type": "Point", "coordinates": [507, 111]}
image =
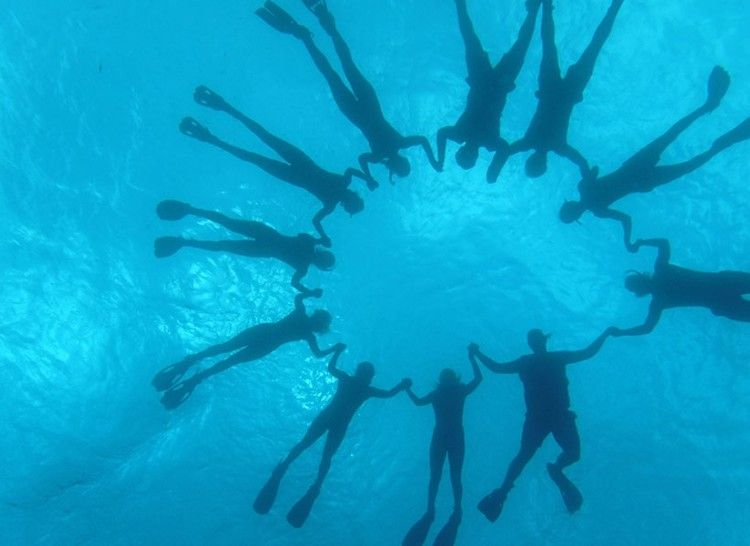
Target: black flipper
{"type": "Point", "coordinates": [170, 209]}
{"type": "Point", "coordinates": [299, 512]}
{"type": "Point", "coordinates": [449, 532]}
{"type": "Point", "coordinates": [163, 247]}
{"type": "Point", "coordinates": [570, 494]}
{"type": "Point", "coordinates": [418, 532]}
{"type": "Point", "coordinates": [492, 504]}
{"type": "Point", "coordinates": [718, 84]}
{"type": "Point", "coordinates": [267, 495]}
{"type": "Point", "coordinates": [167, 377]}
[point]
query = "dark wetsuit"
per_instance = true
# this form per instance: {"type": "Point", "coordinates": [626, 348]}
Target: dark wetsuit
{"type": "Point", "coordinates": [448, 436]}
{"type": "Point", "coordinates": [335, 418]}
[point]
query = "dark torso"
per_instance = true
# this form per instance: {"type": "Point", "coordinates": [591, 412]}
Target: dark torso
{"type": "Point", "coordinates": [324, 185]}
{"type": "Point", "coordinates": [350, 395]}
{"type": "Point", "coordinates": [448, 404]}
{"type": "Point", "coordinates": [675, 286]}
{"type": "Point", "coordinates": [545, 385]}
{"type": "Point", "coordinates": [549, 126]}
{"type": "Point", "coordinates": [298, 251]}
{"type": "Point", "coordinates": [480, 121]}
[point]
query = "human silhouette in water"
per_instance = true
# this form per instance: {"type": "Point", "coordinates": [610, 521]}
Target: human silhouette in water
{"type": "Point", "coordinates": [673, 286]}
{"type": "Point", "coordinates": [299, 252]}
{"type": "Point", "coordinates": [447, 401]}
{"type": "Point", "coordinates": [360, 104]}
{"type": "Point", "coordinates": [545, 386]}
{"type": "Point", "coordinates": [489, 87]}
{"type": "Point", "coordinates": [558, 95]}
{"type": "Point", "coordinates": [351, 392]}
{"type": "Point", "coordinates": [252, 344]}
{"type": "Point", "coordinates": [297, 168]}
{"type": "Point", "coordinates": [641, 174]}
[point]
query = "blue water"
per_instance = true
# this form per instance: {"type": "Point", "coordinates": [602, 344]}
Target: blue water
{"type": "Point", "coordinates": [91, 92]}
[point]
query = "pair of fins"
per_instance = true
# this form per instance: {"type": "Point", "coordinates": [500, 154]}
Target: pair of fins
{"type": "Point", "coordinates": [446, 537]}
{"type": "Point", "coordinates": [297, 516]}
{"type": "Point", "coordinates": [278, 18]}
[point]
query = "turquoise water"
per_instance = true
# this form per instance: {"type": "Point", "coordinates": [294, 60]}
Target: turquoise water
{"type": "Point", "coordinates": [92, 93]}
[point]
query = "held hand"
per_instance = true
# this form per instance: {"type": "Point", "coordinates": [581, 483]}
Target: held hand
{"type": "Point", "coordinates": [614, 331]}
{"type": "Point", "coordinates": [318, 292]}
{"type": "Point", "coordinates": [325, 241]}
{"type": "Point", "coordinates": [473, 349]}
{"type": "Point", "coordinates": [339, 347]}
{"type": "Point", "coordinates": [405, 383]}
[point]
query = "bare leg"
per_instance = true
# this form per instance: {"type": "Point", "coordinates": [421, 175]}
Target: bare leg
{"type": "Point", "coordinates": [437, 460]}
{"type": "Point", "coordinates": [456, 462]}
{"type": "Point", "coordinates": [580, 73]}
{"type": "Point", "coordinates": [549, 71]}
{"type": "Point", "coordinates": [317, 428]}
{"type": "Point", "coordinates": [477, 61]}
{"type": "Point", "coordinates": [250, 249]}
{"type": "Point", "coordinates": [512, 62]}
{"type": "Point", "coordinates": [248, 228]}
{"type": "Point", "coordinates": [248, 354]}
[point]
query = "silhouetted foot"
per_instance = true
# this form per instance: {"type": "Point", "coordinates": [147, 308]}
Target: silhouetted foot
{"type": "Point", "coordinates": [192, 128]}
{"type": "Point", "coordinates": [492, 504]}
{"type": "Point", "coordinates": [316, 6]}
{"type": "Point", "coordinates": [718, 84]}
{"type": "Point", "coordinates": [176, 395]}
{"type": "Point", "coordinates": [170, 209]}
{"type": "Point", "coordinates": [267, 495]}
{"type": "Point", "coordinates": [279, 19]}
{"type": "Point", "coordinates": [205, 97]}
{"type": "Point", "coordinates": [570, 494]}
{"type": "Point", "coordinates": [169, 375]}
{"type": "Point", "coordinates": [166, 246]}
{"type": "Point", "coordinates": [299, 512]}
{"type": "Point", "coordinates": [418, 532]}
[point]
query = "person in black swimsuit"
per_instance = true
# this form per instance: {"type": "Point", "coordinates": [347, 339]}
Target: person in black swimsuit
{"type": "Point", "coordinates": [489, 87]}
{"type": "Point", "coordinates": [557, 96]}
{"type": "Point", "coordinates": [360, 104]}
{"type": "Point", "coordinates": [299, 252]}
{"type": "Point", "coordinates": [447, 401]}
{"type": "Point", "coordinates": [670, 286]}
{"type": "Point", "coordinates": [296, 168]}
{"type": "Point", "coordinates": [641, 174]}
{"type": "Point", "coordinates": [545, 387]}
{"type": "Point", "coordinates": [252, 344]}
{"type": "Point", "coordinates": [351, 392]}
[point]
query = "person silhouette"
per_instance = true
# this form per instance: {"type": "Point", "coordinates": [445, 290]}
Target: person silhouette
{"type": "Point", "coordinates": [641, 174]}
{"type": "Point", "coordinates": [252, 344]}
{"type": "Point", "coordinates": [351, 392]}
{"type": "Point", "coordinates": [489, 87]}
{"type": "Point", "coordinates": [299, 252]}
{"type": "Point", "coordinates": [360, 104]}
{"type": "Point", "coordinates": [545, 385]}
{"type": "Point", "coordinates": [673, 286]}
{"type": "Point", "coordinates": [447, 401]}
{"type": "Point", "coordinates": [297, 168]}
{"type": "Point", "coordinates": [558, 95]}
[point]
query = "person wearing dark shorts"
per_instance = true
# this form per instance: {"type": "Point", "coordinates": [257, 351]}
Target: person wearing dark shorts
{"type": "Point", "coordinates": [545, 385]}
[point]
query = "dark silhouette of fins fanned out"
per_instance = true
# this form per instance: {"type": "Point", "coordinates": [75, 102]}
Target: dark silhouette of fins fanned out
{"type": "Point", "coordinates": [267, 495]}
{"type": "Point", "coordinates": [418, 532]}
{"type": "Point", "coordinates": [448, 534]}
{"type": "Point", "coordinates": [299, 513]}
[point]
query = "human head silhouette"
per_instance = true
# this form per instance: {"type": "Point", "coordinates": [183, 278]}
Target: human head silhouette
{"type": "Point", "coordinates": [536, 164]}
{"type": "Point", "coordinates": [571, 211]}
{"type": "Point", "coordinates": [638, 283]}
{"type": "Point", "coordinates": [365, 372]}
{"type": "Point", "coordinates": [352, 202]}
{"type": "Point", "coordinates": [398, 165]}
{"type": "Point", "coordinates": [537, 340]}
{"type": "Point", "coordinates": [320, 321]}
{"type": "Point", "coordinates": [448, 377]}
{"type": "Point", "coordinates": [467, 155]}
{"type": "Point", "coordinates": [324, 259]}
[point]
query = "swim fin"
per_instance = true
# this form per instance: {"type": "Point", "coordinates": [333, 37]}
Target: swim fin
{"type": "Point", "coordinates": [492, 505]}
{"type": "Point", "coordinates": [205, 97]}
{"type": "Point", "coordinates": [176, 395]}
{"type": "Point", "coordinates": [449, 532]}
{"type": "Point", "coordinates": [267, 495]}
{"type": "Point", "coordinates": [166, 377]}
{"type": "Point", "coordinates": [191, 128]}
{"type": "Point", "coordinates": [299, 512]}
{"type": "Point", "coordinates": [167, 246]}
{"type": "Point", "coordinates": [418, 532]}
{"type": "Point", "coordinates": [316, 6]}
{"type": "Point", "coordinates": [276, 17]}
{"type": "Point", "coordinates": [170, 209]}
{"type": "Point", "coordinates": [718, 84]}
{"type": "Point", "coordinates": [570, 494]}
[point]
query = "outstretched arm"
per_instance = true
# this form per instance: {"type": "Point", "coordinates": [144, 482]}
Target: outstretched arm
{"type": "Point", "coordinates": [576, 157]}
{"type": "Point", "coordinates": [380, 393]}
{"type": "Point", "coordinates": [350, 173]}
{"type": "Point", "coordinates": [299, 299]}
{"type": "Point", "coordinates": [571, 357]}
{"type": "Point", "coordinates": [297, 282]}
{"type": "Point", "coordinates": [475, 368]}
{"type": "Point", "coordinates": [422, 141]}
{"type": "Point", "coordinates": [332, 369]}
{"type": "Point", "coordinates": [325, 240]}
{"type": "Point", "coordinates": [444, 134]}
{"type": "Point", "coordinates": [502, 155]}
{"type": "Point", "coordinates": [514, 366]}
{"type": "Point", "coordinates": [627, 225]}
{"type": "Point", "coordinates": [364, 163]}
{"type": "Point", "coordinates": [654, 313]}
{"type": "Point", "coordinates": [664, 251]}
{"type": "Point", "coordinates": [423, 401]}
{"type": "Point", "coordinates": [312, 341]}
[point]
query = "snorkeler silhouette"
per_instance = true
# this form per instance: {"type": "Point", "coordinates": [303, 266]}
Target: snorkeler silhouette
{"type": "Point", "coordinates": [558, 95]}
{"type": "Point", "coordinates": [299, 252]}
{"type": "Point", "coordinates": [351, 392]}
{"type": "Point", "coordinates": [673, 286]}
{"type": "Point", "coordinates": [360, 104]}
{"type": "Point", "coordinates": [545, 386]}
{"type": "Point", "coordinates": [447, 401]}
{"type": "Point", "coordinates": [489, 87]}
{"type": "Point", "coordinates": [252, 344]}
{"type": "Point", "coordinates": [296, 168]}
{"type": "Point", "coordinates": [640, 173]}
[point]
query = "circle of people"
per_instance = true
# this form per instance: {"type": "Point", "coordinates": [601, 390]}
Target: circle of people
{"type": "Point", "coordinates": [542, 372]}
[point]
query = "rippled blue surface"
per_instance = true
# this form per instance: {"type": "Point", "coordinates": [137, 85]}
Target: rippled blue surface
{"type": "Point", "coordinates": [91, 93]}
